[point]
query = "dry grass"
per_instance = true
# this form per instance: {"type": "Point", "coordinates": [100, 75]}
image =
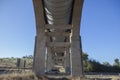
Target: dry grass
{"type": "Point", "coordinates": [18, 76]}
{"type": "Point", "coordinates": [32, 76]}
{"type": "Point", "coordinates": [116, 78]}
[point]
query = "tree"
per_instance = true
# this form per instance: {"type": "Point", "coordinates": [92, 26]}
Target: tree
{"type": "Point", "coordinates": [90, 67]}
{"type": "Point", "coordinates": [95, 66]}
{"type": "Point", "coordinates": [106, 64]}
{"type": "Point", "coordinates": [85, 61]}
{"type": "Point", "coordinates": [116, 62]}
{"type": "Point", "coordinates": [84, 56]}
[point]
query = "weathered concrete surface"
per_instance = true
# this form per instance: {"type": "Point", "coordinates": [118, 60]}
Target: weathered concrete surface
{"type": "Point", "coordinates": [39, 52]}
{"type": "Point", "coordinates": [58, 42]}
{"type": "Point", "coordinates": [76, 48]}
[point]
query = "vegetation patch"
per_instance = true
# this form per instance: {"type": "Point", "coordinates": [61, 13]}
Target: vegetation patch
{"type": "Point", "coordinates": [18, 76]}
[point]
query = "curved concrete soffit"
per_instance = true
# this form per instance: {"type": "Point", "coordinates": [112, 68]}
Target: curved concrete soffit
{"type": "Point", "coordinates": [58, 11]}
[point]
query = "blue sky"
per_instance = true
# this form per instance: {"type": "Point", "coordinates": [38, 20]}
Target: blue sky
{"type": "Point", "coordinates": [100, 29]}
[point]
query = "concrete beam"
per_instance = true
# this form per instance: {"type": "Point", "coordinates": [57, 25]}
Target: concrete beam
{"type": "Point", "coordinates": [39, 15]}
{"type": "Point", "coordinates": [59, 27]}
{"type": "Point", "coordinates": [76, 16]}
{"type": "Point", "coordinates": [57, 34]}
{"type": "Point", "coordinates": [58, 44]}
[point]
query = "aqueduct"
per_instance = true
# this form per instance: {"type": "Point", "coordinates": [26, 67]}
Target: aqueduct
{"type": "Point", "coordinates": [58, 47]}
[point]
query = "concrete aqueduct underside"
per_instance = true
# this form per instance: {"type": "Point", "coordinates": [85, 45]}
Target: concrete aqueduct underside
{"type": "Point", "coordinates": [58, 47]}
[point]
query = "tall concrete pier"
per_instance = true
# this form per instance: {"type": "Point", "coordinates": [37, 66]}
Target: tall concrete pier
{"type": "Point", "coordinates": [58, 47]}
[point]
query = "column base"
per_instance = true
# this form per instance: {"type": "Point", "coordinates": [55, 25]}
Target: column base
{"type": "Point", "coordinates": [79, 78]}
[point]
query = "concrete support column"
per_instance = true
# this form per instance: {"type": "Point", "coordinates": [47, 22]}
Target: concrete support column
{"type": "Point", "coordinates": [76, 53]}
{"type": "Point", "coordinates": [49, 59]}
{"type": "Point", "coordinates": [40, 42]}
{"type": "Point", "coordinates": [67, 61]}
{"type": "Point", "coordinates": [39, 57]}
{"type": "Point", "coordinates": [76, 48]}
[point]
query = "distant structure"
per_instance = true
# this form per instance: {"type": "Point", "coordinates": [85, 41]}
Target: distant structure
{"type": "Point", "coordinates": [58, 47]}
